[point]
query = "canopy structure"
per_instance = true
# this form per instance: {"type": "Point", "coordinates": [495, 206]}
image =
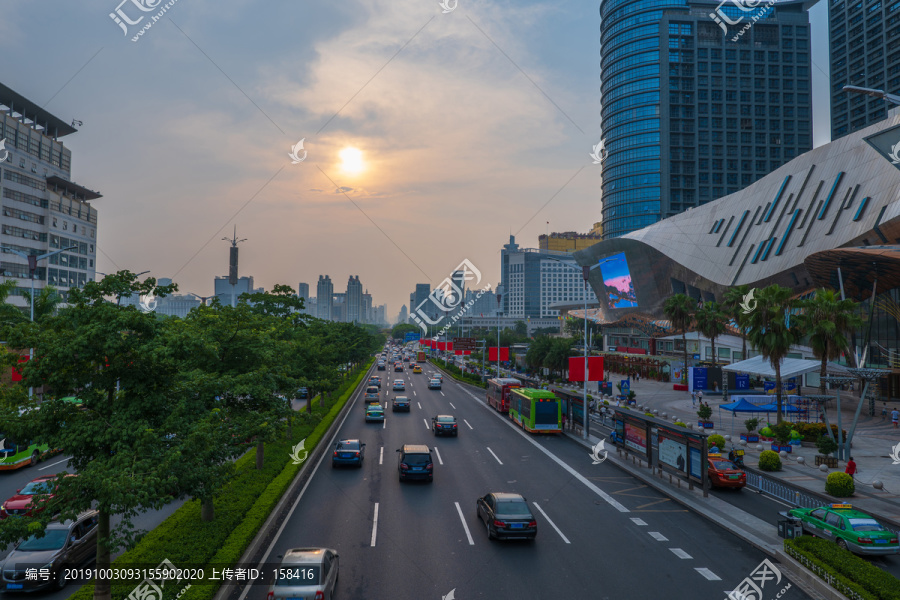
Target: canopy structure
{"type": "Point", "coordinates": [742, 406]}
{"type": "Point", "coordinates": [790, 367]}
{"type": "Point", "coordinates": [785, 408]}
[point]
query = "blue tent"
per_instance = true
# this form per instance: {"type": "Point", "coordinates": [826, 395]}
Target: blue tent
{"type": "Point", "coordinates": [742, 406]}
{"type": "Point", "coordinates": [785, 407]}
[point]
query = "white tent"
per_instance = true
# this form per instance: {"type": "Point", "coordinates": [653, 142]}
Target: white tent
{"type": "Point", "coordinates": [790, 367]}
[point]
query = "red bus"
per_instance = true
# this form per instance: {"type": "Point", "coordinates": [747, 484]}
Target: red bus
{"type": "Point", "coordinates": [498, 390]}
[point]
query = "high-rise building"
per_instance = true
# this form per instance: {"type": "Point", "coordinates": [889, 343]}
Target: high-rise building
{"type": "Point", "coordinates": [403, 316]}
{"type": "Point", "coordinates": [354, 312]}
{"type": "Point", "coordinates": [43, 209]}
{"type": "Point", "coordinates": [380, 314]}
{"type": "Point", "coordinates": [700, 99]}
{"type": "Point", "coordinates": [339, 307]}
{"type": "Point", "coordinates": [483, 306]}
{"type": "Point", "coordinates": [224, 290]}
{"type": "Point", "coordinates": [568, 241]}
{"type": "Point", "coordinates": [366, 315]}
{"type": "Point", "coordinates": [303, 292]}
{"type": "Point", "coordinates": [324, 298]}
{"type": "Point", "coordinates": [863, 53]}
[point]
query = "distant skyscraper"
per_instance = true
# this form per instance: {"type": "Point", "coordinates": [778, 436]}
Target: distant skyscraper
{"type": "Point", "coordinates": [223, 289]}
{"type": "Point", "coordinates": [860, 39]}
{"type": "Point", "coordinates": [366, 314]}
{"type": "Point", "coordinates": [339, 307]}
{"type": "Point", "coordinates": [324, 298]}
{"type": "Point", "coordinates": [690, 112]}
{"type": "Point", "coordinates": [404, 315]}
{"type": "Point", "coordinates": [381, 314]}
{"type": "Point", "coordinates": [354, 300]}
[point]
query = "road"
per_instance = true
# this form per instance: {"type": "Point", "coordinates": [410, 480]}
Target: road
{"type": "Point", "coordinates": [600, 532]}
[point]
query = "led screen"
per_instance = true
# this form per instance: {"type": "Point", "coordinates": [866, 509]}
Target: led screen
{"type": "Point", "coordinates": [617, 279]}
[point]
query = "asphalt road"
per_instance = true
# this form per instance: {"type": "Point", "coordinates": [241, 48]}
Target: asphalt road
{"type": "Point", "coordinates": [601, 533]}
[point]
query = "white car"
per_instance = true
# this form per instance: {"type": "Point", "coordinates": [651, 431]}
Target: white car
{"type": "Point", "coordinates": [306, 573]}
{"type": "Point", "coordinates": [434, 384]}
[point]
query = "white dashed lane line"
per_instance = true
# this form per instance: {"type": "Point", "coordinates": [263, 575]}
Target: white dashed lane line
{"type": "Point", "coordinates": [658, 536]}
{"type": "Point", "coordinates": [451, 405]}
{"type": "Point", "coordinates": [420, 405]}
{"type": "Point", "coordinates": [440, 460]}
{"type": "Point", "coordinates": [442, 394]}
{"type": "Point", "coordinates": [552, 524]}
{"type": "Point", "coordinates": [374, 526]}
{"type": "Point", "coordinates": [495, 456]}
{"type": "Point", "coordinates": [426, 423]}
{"type": "Point", "coordinates": [466, 527]}
{"type": "Point", "coordinates": [708, 574]}
{"type": "Point", "coordinates": [680, 553]}
{"type": "Point", "coordinates": [467, 424]}
{"type": "Point", "coordinates": [637, 521]}
{"type": "Point", "coordinates": [381, 456]}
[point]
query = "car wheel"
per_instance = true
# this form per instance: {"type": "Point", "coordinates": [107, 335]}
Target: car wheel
{"type": "Point", "coordinates": [60, 582]}
{"type": "Point", "coordinates": [491, 534]}
{"type": "Point", "coordinates": [35, 457]}
{"type": "Point", "coordinates": [842, 544]}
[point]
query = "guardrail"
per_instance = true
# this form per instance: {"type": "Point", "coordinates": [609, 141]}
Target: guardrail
{"type": "Point", "coordinates": [781, 491]}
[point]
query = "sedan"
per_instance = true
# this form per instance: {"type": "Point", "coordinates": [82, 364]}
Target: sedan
{"type": "Point", "coordinates": [851, 529]}
{"type": "Point", "coordinates": [21, 503]}
{"type": "Point", "coordinates": [399, 385]}
{"type": "Point", "coordinates": [398, 367]}
{"type": "Point", "coordinates": [348, 452]}
{"type": "Point", "coordinates": [507, 516]}
{"type": "Point", "coordinates": [434, 384]}
{"type": "Point", "coordinates": [306, 573]}
{"type": "Point", "coordinates": [444, 425]}
{"type": "Point", "coordinates": [723, 473]}
{"type": "Point", "coordinates": [374, 412]}
{"type": "Point", "coordinates": [401, 403]}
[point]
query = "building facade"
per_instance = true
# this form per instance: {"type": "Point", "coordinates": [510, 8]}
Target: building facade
{"type": "Point", "coordinates": [228, 294]}
{"type": "Point", "coordinates": [42, 208]}
{"type": "Point", "coordinates": [864, 52]}
{"type": "Point", "coordinates": [324, 298]}
{"type": "Point", "coordinates": [696, 106]}
{"type": "Point", "coordinates": [303, 292]}
{"type": "Point", "coordinates": [569, 241]}
{"type": "Point", "coordinates": [367, 316]}
{"type": "Point", "coordinates": [354, 301]}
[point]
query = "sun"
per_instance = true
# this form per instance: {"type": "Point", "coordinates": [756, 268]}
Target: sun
{"type": "Point", "coordinates": [352, 161]}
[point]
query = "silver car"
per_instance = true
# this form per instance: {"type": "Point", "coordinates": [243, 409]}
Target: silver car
{"type": "Point", "coordinates": [306, 574]}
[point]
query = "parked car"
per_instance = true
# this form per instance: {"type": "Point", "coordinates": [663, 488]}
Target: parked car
{"type": "Point", "coordinates": [348, 452]}
{"type": "Point", "coordinates": [401, 403]}
{"type": "Point", "coordinates": [850, 529]}
{"type": "Point", "coordinates": [306, 573]}
{"type": "Point", "coordinates": [22, 503]}
{"type": "Point", "coordinates": [415, 462]}
{"type": "Point", "coordinates": [303, 394]}
{"type": "Point", "coordinates": [506, 516]}
{"type": "Point", "coordinates": [374, 412]}
{"type": "Point", "coordinates": [434, 384]}
{"type": "Point", "coordinates": [444, 425]}
{"type": "Point", "coordinates": [65, 544]}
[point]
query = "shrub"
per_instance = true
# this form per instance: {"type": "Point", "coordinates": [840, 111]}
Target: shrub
{"type": "Point", "coordinates": [851, 573]}
{"type": "Point", "coordinates": [680, 424]}
{"type": "Point", "coordinates": [782, 432]}
{"type": "Point", "coordinates": [769, 461]}
{"type": "Point", "coordinates": [649, 414]}
{"type": "Point", "coordinates": [606, 402]}
{"type": "Point", "coordinates": [839, 484]}
{"type": "Point", "coordinates": [704, 412]}
{"type": "Point", "coordinates": [716, 440]}
{"type": "Point", "coordinates": [751, 424]}
{"type": "Point", "coordinates": [826, 445]}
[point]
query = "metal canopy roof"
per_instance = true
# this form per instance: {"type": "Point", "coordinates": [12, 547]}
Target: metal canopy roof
{"type": "Point", "coordinates": [859, 267]}
{"type": "Point", "coordinates": [790, 367]}
{"type": "Point", "coordinates": [55, 126]}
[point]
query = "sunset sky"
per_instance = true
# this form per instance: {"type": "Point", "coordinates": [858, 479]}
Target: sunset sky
{"type": "Point", "coordinates": [468, 126]}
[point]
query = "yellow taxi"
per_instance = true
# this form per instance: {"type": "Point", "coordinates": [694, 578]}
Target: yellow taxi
{"type": "Point", "coordinates": [417, 369]}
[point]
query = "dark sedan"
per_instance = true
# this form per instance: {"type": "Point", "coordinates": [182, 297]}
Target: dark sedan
{"type": "Point", "coordinates": [444, 425]}
{"type": "Point", "coordinates": [400, 403]}
{"type": "Point", "coordinates": [348, 452]}
{"type": "Point", "coordinates": [507, 516]}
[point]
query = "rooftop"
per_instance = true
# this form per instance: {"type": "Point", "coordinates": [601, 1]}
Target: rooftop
{"type": "Point", "coordinates": [53, 125]}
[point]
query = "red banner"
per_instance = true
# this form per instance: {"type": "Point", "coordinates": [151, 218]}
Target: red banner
{"type": "Point", "coordinates": [459, 352]}
{"type": "Point", "coordinates": [449, 346]}
{"type": "Point", "coordinates": [16, 373]}
{"type": "Point", "coordinates": [442, 345]}
{"type": "Point", "coordinates": [595, 368]}
{"type": "Point", "coordinates": [492, 354]}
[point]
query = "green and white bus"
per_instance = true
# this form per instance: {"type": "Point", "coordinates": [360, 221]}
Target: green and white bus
{"type": "Point", "coordinates": [535, 411]}
{"type": "Point", "coordinates": [15, 456]}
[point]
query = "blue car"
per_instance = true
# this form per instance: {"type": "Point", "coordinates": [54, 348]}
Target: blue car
{"type": "Point", "coordinates": [348, 452]}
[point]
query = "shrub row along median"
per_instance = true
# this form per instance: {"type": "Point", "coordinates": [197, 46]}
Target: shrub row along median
{"type": "Point", "coordinates": [240, 510]}
{"type": "Point", "coordinates": [844, 571]}
{"type": "Point", "coordinates": [457, 373]}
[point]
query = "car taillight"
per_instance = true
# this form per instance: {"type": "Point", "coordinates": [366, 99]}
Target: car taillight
{"type": "Point", "coordinates": [892, 541]}
{"type": "Point", "coordinates": [499, 523]}
{"type": "Point", "coordinates": [404, 467]}
{"type": "Point", "coordinates": [863, 540]}
{"type": "Point", "coordinates": [454, 426]}
{"type": "Point", "coordinates": [335, 453]}
{"type": "Point", "coordinates": [320, 595]}
{"type": "Point", "coordinates": [270, 596]}
{"type": "Point", "coordinates": [356, 453]}
{"type": "Point", "coordinates": [429, 466]}
{"type": "Point", "coordinates": [532, 523]}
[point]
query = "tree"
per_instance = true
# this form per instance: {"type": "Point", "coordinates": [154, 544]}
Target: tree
{"type": "Point", "coordinates": [400, 330]}
{"type": "Point", "coordinates": [772, 332]}
{"type": "Point", "coordinates": [711, 323]}
{"type": "Point", "coordinates": [521, 329]}
{"type": "Point", "coordinates": [678, 309]}
{"type": "Point", "coordinates": [734, 298]}
{"type": "Point", "coordinates": [537, 352]}
{"type": "Point", "coordinates": [827, 320]}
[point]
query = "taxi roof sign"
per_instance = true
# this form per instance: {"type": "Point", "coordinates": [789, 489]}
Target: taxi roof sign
{"type": "Point", "coordinates": [714, 455]}
{"type": "Point", "coordinates": [838, 506]}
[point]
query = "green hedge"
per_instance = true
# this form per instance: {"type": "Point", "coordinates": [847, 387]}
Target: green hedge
{"type": "Point", "coordinates": [240, 510]}
{"type": "Point", "coordinates": [457, 373]}
{"type": "Point", "coordinates": [839, 485]}
{"type": "Point", "coordinates": [849, 574]}
{"type": "Point", "coordinates": [769, 461]}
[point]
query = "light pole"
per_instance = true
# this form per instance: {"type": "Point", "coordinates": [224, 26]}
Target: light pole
{"type": "Point", "coordinates": [32, 267]}
{"type": "Point", "coordinates": [855, 89]}
{"type": "Point", "coordinates": [500, 290]}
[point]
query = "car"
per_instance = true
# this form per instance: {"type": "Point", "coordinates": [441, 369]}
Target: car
{"type": "Point", "coordinates": [65, 544]}
{"type": "Point", "coordinates": [417, 370]}
{"type": "Point", "coordinates": [506, 515]}
{"type": "Point", "coordinates": [303, 394]}
{"type": "Point", "coordinates": [444, 425]}
{"type": "Point", "coordinates": [374, 412]}
{"type": "Point", "coordinates": [21, 503]}
{"type": "Point", "coordinates": [415, 462]}
{"type": "Point", "coordinates": [348, 452]}
{"type": "Point", "coordinates": [850, 529]}
{"type": "Point", "coordinates": [375, 380]}
{"type": "Point", "coordinates": [306, 573]}
{"type": "Point", "coordinates": [398, 367]}
{"type": "Point", "coordinates": [724, 473]}
{"type": "Point", "coordinates": [399, 385]}
{"type": "Point", "coordinates": [381, 366]}
{"type": "Point", "coordinates": [400, 403]}
{"type": "Point", "coordinates": [434, 384]}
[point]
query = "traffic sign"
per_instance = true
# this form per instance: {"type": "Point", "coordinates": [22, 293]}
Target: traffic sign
{"type": "Point", "coordinates": [412, 336]}
{"type": "Point", "coordinates": [464, 344]}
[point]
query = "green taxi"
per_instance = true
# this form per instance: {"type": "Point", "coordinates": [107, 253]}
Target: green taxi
{"type": "Point", "coordinates": [851, 529]}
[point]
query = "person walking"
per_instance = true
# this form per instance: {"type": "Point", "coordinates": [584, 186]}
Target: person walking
{"type": "Point", "coordinates": [694, 399]}
{"type": "Point", "coordinates": [851, 468]}
{"type": "Point", "coordinates": [895, 417]}
{"type": "Point", "coordinates": [700, 396]}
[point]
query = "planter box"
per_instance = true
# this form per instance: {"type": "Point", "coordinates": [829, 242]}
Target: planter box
{"type": "Point", "coordinates": [763, 438]}
{"type": "Point", "coordinates": [776, 447]}
{"type": "Point", "coordinates": [750, 437]}
{"type": "Point", "coordinates": [830, 461]}
{"type": "Point", "coordinates": [705, 424]}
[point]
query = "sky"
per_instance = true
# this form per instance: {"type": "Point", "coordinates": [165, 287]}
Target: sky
{"type": "Point", "coordinates": [470, 125]}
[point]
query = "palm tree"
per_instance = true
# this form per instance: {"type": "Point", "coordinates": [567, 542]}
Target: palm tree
{"type": "Point", "coordinates": [734, 297]}
{"type": "Point", "coordinates": [827, 320]}
{"type": "Point", "coordinates": [711, 323]}
{"type": "Point", "coordinates": [771, 331]}
{"type": "Point", "coordinates": [679, 310]}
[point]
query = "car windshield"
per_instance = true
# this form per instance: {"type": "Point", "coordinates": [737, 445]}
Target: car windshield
{"type": "Point", "coordinates": [401, 399]}
{"type": "Point", "coordinates": [722, 465]}
{"type": "Point", "coordinates": [513, 508]}
{"type": "Point", "coordinates": [347, 446]}
{"type": "Point", "coordinates": [54, 540]}
{"type": "Point", "coordinates": [417, 459]}
{"type": "Point", "coordinates": [35, 487]}
{"type": "Point", "coordinates": [865, 525]}
{"type": "Point", "coordinates": [375, 409]}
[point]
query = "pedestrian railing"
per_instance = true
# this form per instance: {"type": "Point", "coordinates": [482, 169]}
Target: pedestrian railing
{"type": "Point", "coordinates": [784, 492]}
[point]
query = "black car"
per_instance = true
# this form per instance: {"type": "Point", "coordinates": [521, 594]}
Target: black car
{"type": "Point", "coordinates": [348, 452]}
{"type": "Point", "coordinates": [381, 366]}
{"type": "Point", "coordinates": [507, 516]}
{"type": "Point", "coordinates": [444, 425]}
{"type": "Point", "coordinates": [303, 394]}
{"type": "Point", "coordinates": [415, 462]}
{"type": "Point", "coordinates": [400, 403]}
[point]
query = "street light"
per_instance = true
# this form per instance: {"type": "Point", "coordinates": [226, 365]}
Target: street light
{"type": "Point", "coordinates": [500, 290]}
{"type": "Point", "coordinates": [855, 89]}
{"type": "Point", "coordinates": [32, 267]}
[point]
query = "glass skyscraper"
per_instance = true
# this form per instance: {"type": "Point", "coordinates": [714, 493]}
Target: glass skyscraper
{"type": "Point", "coordinates": [696, 104]}
{"type": "Point", "coordinates": [865, 51]}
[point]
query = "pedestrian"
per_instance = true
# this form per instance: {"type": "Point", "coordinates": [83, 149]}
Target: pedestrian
{"type": "Point", "coordinates": [883, 411]}
{"type": "Point", "coordinates": [694, 399]}
{"type": "Point", "coordinates": [851, 467]}
{"type": "Point", "coordinates": [895, 417]}
{"type": "Point", "coordinates": [700, 396]}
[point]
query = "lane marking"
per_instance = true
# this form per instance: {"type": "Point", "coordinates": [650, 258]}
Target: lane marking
{"type": "Point", "coordinates": [442, 394]}
{"type": "Point", "coordinates": [708, 574]}
{"type": "Point", "coordinates": [414, 393]}
{"type": "Point", "coordinates": [638, 521]}
{"type": "Point", "coordinates": [420, 405]}
{"type": "Point", "coordinates": [381, 456]}
{"type": "Point", "coordinates": [426, 423]}
{"type": "Point", "coordinates": [466, 527]}
{"type": "Point", "coordinates": [467, 424]}
{"type": "Point", "coordinates": [680, 553]}
{"type": "Point", "coordinates": [494, 455]}
{"type": "Point", "coordinates": [658, 536]}
{"type": "Point", "coordinates": [384, 423]}
{"type": "Point", "coordinates": [54, 464]}
{"type": "Point", "coordinates": [440, 460]}
{"type": "Point", "coordinates": [552, 524]}
{"type": "Point", "coordinates": [451, 404]}
{"type": "Point", "coordinates": [374, 526]}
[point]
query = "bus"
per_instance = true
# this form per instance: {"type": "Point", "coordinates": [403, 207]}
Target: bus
{"type": "Point", "coordinates": [536, 411]}
{"type": "Point", "coordinates": [498, 392]}
{"type": "Point", "coordinates": [15, 456]}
